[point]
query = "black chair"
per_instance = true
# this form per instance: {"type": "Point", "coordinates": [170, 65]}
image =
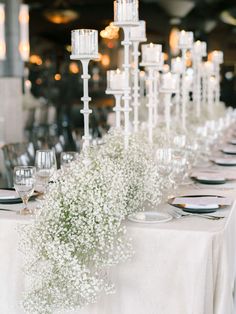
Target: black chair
{"type": "Point", "coordinates": [17, 154]}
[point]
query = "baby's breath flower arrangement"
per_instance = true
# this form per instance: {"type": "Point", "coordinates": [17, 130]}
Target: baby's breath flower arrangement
{"type": "Point", "coordinates": [78, 232]}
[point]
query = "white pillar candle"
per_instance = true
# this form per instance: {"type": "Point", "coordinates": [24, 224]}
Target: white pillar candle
{"type": "Point", "coordinates": [188, 80]}
{"type": "Point", "coordinates": [185, 40]}
{"type": "Point", "coordinates": [212, 82]}
{"type": "Point", "coordinates": [151, 53]}
{"type": "Point", "coordinates": [126, 11]}
{"type": "Point", "coordinates": [209, 68]}
{"type": "Point", "coordinates": [84, 42]}
{"type": "Point", "coordinates": [197, 48]}
{"type": "Point", "coordinates": [216, 56]}
{"type": "Point", "coordinates": [177, 65]}
{"type": "Point", "coordinates": [115, 80]}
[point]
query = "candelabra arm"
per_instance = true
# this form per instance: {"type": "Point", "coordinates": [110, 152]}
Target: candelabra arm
{"type": "Point", "coordinates": [156, 97]}
{"type": "Point", "coordinates": [183, 90]}
{"type": "Point", "coordinates": [136, 97]}
{"type": "Point", "coordinates": [117, 110]}
{"type": "Point", "coordinates": [86, 111]}
{"type": "Point", "coordinates": [150, 104]}
{"type": "Point", "coordinates": [167, 104]}
{"type": "Point", "coordinates": [126, 43]}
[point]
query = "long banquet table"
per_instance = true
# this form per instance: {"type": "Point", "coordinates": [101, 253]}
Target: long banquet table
{"type": "Point", "coordinates": [185, 266]}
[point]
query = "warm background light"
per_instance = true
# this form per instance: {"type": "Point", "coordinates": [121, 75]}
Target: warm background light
{"type": "Point", "coordinates": [74, 68]}
{"type": "Point", "coordinates": [57, 77]}
{"type": "Point", "coordinates": [35, 59]}
{"type": "Point", "coordinates": [173, 41]}
{"type": "Point", "coordinates": [2, 32]}
{"type": "Point", "coordinates": [24, 46]}
{"type": "Point", "coordinates": [110, 32]}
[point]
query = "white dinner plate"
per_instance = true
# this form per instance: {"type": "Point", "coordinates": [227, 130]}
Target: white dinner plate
{"type": "Point", "coordinates": [225, 161]}
{"type": "Point", "coordinates": [229, 150]}
{"type": "Point", "coordinates": [195, 207]}
{"type": "Point", "coordinates": [150, 217]}
{"type": "Point", "coordinates": [233, 141]}
{"type": "Point", "coordinates": [210, 179]}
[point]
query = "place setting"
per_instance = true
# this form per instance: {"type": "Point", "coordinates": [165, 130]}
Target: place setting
{"type": "Point", "coordinates": [201, 204]}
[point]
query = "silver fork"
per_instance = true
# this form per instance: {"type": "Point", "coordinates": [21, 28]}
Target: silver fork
{"type": "Point", "coordinates": [178, 213]}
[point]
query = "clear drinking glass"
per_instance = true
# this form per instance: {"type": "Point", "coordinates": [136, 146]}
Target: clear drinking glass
{"type": "Point", "coordinates": [164, 160]}
{"type": "Point", "coordinates": [46, 165]}
{"type": "Point", "coordinates": [24, 183]}
{"type": "Point", "coordinates": [68, 157]}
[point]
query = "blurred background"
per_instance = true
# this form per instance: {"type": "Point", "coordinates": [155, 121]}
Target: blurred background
{"type": "Point", "coordinates": [47, 85]}
{"type": "Point", "coordinates": [56, 79]}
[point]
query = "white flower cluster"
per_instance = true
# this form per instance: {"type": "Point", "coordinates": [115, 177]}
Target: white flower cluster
{"type": "Point", "coordinates": [78, 232]}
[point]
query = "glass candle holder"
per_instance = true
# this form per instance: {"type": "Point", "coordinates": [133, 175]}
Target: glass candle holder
{"type": "Point", "coordinates": [177, 65]}
{"type": "Point", "coordinates": [217, 56]}
{"type": "Point", "coordinates": [84, 42]}
{"type": "Point", "coordinates": [151, 53]}
{"type": "Point", "coordinates": [188, 80]}
{"type": "Point", "coordinates": [209, 68]}
{"type": "Point", "coordinates": [199, 48]}
{"type": "Point", "coordinates": [115, 80]}
{"type": "Point", "coordinates": [138, 33]}
{"type": "Point", "coordinates": [126, 11]}
{"type": "Point", "coordinates": [169, 82]}
{"type": "Point", "coordinates": [185, 40]}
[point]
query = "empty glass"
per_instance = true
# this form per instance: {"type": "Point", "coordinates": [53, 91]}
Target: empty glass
{"type": "Point", "coordinates": [46, 165]}
{"type": "Point", "coordinates": [164, 160]}
{"type": "Point", "coordinates": [24, 183]}
{"type": "Point", "coordinates": [68, 157]}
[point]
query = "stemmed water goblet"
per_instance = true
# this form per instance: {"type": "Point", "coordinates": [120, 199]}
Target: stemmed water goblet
{"type": "Point", "coordinates": [46, 165]}
{"type": "Point", "coordinates": [24, 184]}
{"type": "Point", "coordinates": [165, 167]}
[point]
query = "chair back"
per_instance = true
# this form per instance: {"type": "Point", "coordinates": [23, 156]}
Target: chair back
{"type": "Point", "coordinates": [17, 154]}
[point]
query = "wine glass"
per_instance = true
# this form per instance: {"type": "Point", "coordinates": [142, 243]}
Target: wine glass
{"type": "Point", "coordinates": [24, 183]}
{"type": "Point", "coordinates": [164, 158]}
{"type": "Point", "coordinates": [67, 157]}
{"type": "Point", "coordinates": [46, 165]}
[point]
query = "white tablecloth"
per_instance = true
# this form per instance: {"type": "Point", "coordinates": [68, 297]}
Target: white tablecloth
{"type": "Point", "coordinates": [185, 266]}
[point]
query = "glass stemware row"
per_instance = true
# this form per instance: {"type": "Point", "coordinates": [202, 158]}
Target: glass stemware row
{"type": "Point", "coordinates": [27, 179]}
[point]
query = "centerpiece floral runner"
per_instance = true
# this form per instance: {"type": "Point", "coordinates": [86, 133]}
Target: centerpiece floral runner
{"type": "Point", "coordinates": [78, 232]}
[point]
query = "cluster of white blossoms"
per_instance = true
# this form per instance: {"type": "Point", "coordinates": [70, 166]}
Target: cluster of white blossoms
{"type": "Point", "coordinates": [78, 232]}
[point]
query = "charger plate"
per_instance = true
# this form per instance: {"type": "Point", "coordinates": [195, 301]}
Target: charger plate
{"type": "Point", "coordinates": [195, 208]}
